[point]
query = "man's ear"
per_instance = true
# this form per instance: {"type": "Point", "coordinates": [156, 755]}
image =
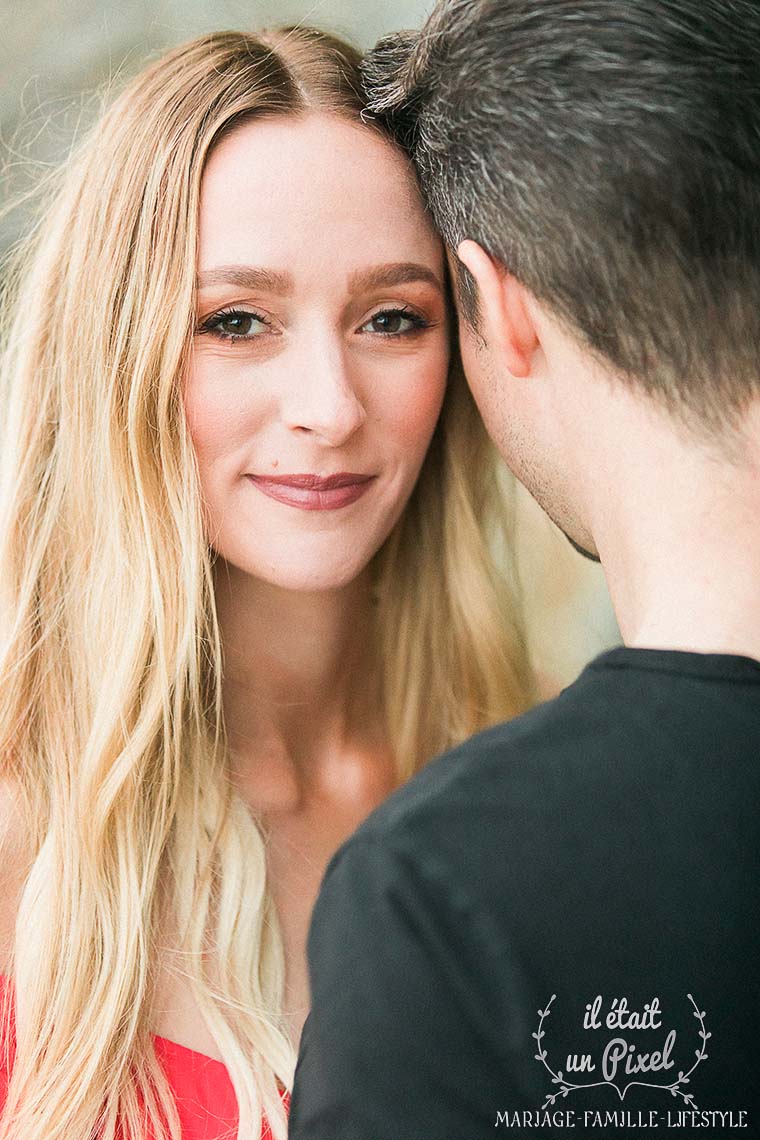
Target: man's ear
{"type": "Point", "coordinates": [505, 315]}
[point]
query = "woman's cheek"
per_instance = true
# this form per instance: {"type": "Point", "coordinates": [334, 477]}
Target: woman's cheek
{"type": "Point", "coordinates": [226, 404]}
{"type": "Point", "coordinates": [207, 412]}
{"type": "Point", "coordinates": [418, 399]}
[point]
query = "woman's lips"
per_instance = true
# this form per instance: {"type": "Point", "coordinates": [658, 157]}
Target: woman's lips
{"type": "Point", "coordinates": [314, 492]}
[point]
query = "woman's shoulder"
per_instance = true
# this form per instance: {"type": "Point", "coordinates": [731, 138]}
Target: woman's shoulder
{"type": "Point", "coordinates": [14, 863]}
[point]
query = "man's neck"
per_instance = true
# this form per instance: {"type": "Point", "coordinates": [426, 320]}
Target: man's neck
{"type": "Point", "coordinates": [678, 533]}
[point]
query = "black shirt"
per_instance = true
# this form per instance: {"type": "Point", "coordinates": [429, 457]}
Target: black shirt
{"type": "Point", "coordinates": [564, 906]}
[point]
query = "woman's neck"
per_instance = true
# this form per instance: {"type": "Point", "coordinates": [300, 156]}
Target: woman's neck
{"type": "Point", "coordinates": [301, 683]}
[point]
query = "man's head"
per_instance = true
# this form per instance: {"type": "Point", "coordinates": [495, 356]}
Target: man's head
{"type": "Point", "coordinates": [601, 162]}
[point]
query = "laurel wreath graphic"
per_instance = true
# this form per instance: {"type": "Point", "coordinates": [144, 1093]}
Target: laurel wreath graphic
{"type": "Point", "coordinates": [567, 1086]}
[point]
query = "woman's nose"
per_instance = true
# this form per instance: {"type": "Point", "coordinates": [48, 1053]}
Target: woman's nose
{"type": "Point", "coordinates": [323, 398]}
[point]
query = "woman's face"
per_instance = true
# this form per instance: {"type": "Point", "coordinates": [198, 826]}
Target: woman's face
{"type": "Point", "coordinates": [321, 348]}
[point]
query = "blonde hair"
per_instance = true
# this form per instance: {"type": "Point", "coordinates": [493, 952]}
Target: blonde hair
{"type": "Point", "coordinates": [111, 666]}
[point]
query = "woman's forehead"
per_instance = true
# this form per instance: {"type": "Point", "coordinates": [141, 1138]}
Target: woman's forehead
{"type": "Point", "coordinates": [296, 192]}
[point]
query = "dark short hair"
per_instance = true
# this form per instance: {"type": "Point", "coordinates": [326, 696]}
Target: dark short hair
{"type": "Point", "coordinates": [606, 152]}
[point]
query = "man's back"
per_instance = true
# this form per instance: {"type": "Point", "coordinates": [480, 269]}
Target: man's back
{"type": "Point", "coordinates": [559, 916]}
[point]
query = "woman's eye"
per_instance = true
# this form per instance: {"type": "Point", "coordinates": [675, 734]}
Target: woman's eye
{"type": "Point", "coordinates": [235, 325]}
{"type": "Point", "coordinates": [394, 322]}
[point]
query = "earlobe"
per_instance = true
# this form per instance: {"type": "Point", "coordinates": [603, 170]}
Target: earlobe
{"type": "Point", "coordinates": [507, 322]}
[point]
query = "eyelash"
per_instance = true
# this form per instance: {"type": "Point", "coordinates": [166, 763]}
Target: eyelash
{"type": "Point", "coordinates": [418, 323]}
{"type": "Point", "coordinates": [212, 325]}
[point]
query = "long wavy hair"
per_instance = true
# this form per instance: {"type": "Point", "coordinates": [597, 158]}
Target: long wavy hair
{"type": "Point", "coordinates": [111, 663]}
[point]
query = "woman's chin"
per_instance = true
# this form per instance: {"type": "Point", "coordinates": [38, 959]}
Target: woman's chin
{"type": "Point", "coordinates": [317, 582]}
{"type": "Point", "coordinates": [305, 576]}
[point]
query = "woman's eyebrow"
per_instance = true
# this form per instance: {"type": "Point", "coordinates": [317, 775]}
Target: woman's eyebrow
{"type": "Point", "coordinates": [273, 281]}
{"type": "Point", "coordinates": [246, 277]}
{"type": "Point", "coordinates": [394, 273]}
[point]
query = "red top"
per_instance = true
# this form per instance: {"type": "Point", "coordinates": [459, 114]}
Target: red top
{"type": "Point", "coordinates": [202, 1088]}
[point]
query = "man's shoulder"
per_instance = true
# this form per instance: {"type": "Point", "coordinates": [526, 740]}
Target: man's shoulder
{"type": "Point", "coordinates": [471, 831]}
{"type": "Point", "coordinates": [638, 731]}
{"type": "Point", "coordinates": [517, 759]}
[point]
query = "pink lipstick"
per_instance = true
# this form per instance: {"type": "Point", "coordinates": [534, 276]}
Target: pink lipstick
{"type": "Point", "coordinates": [314, 492]}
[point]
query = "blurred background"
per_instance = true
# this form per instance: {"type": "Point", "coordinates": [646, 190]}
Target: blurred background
{"type": "Point", "coordinates": [60, 58]}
